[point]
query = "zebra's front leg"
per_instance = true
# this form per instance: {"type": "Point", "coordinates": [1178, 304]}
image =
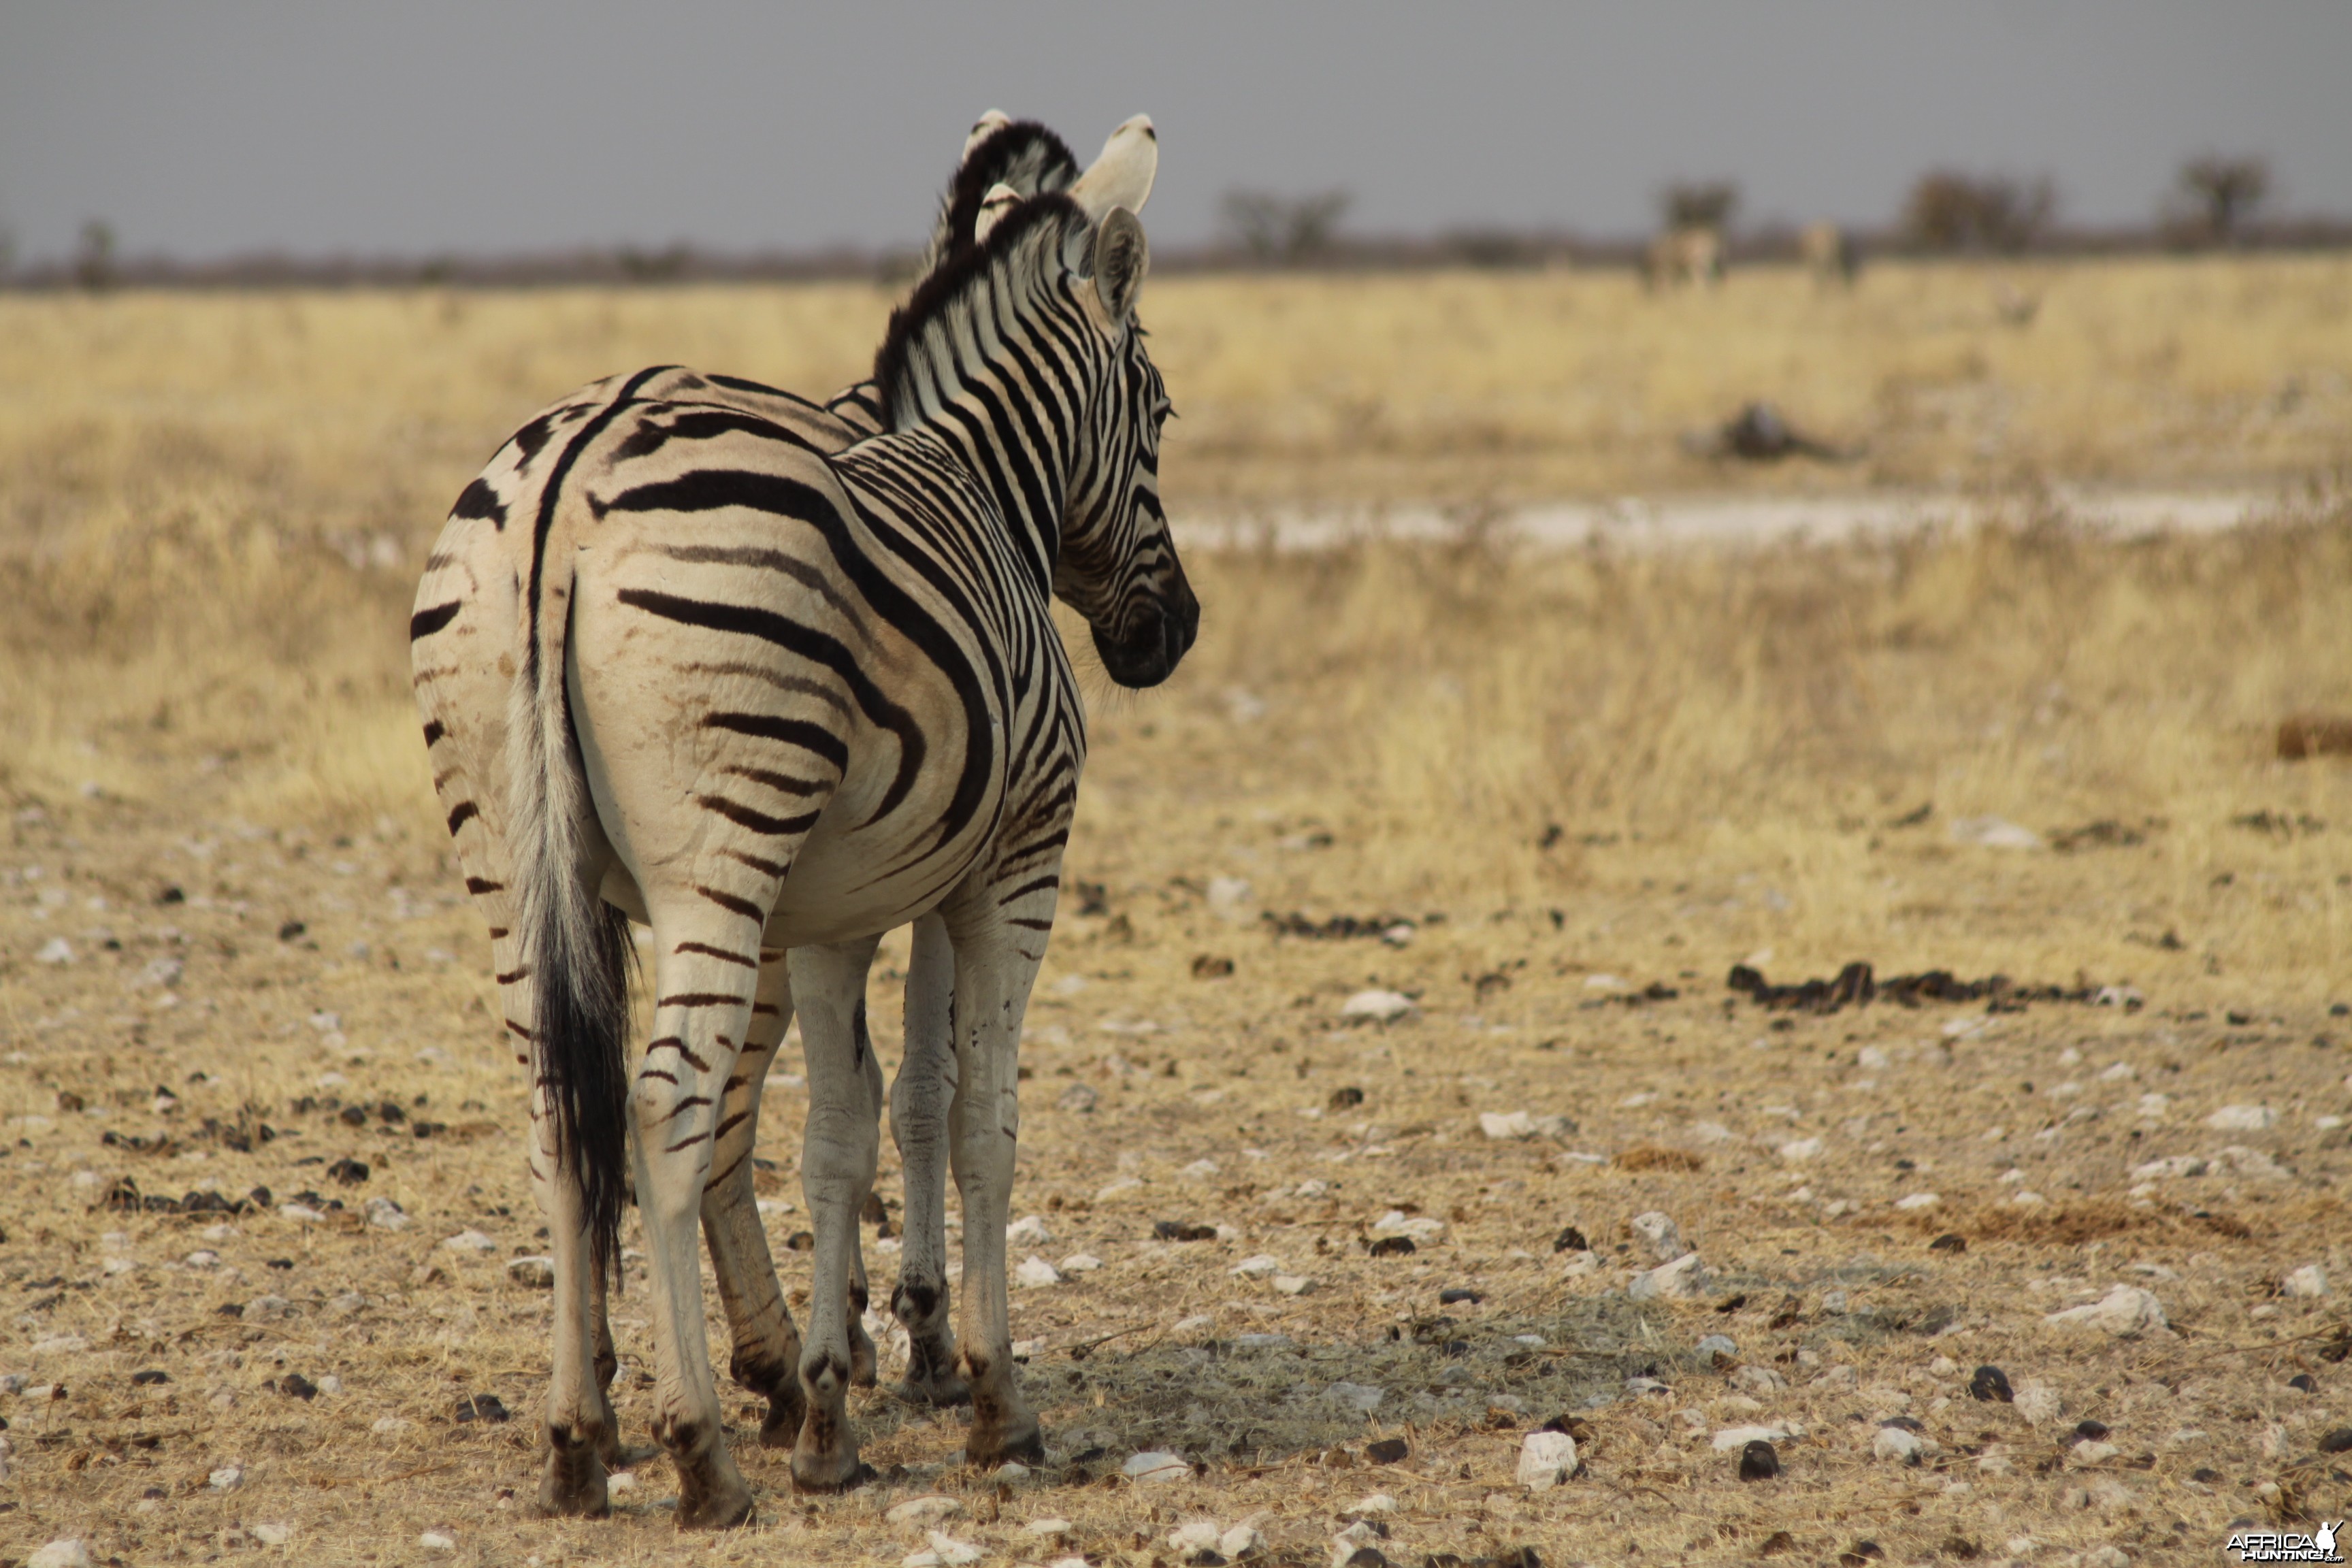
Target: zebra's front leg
{"type": "Point", "coordinates": [766, 1356]}
{"type": "Point", "coordinates": [703, 1005]}
{"type": "Point", "coordinates": [838, 1162]}
{"type": "Point", "coordinates": [996, 962]}
{"type": "Point", "coordinates": [864, 1365]}
{"type": "Point", "coordinates": [918, 1122]}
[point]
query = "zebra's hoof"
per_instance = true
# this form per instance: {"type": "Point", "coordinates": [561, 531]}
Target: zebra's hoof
{"type": "Point", "coordinates": [572, 1484]}
{"type": "Point", "coordinates": [941, 1390]}
{"type": "Point", "coordinates": [863, 1364]}
{"type": "Point", "coordinates": [787, 1410]}
{"type": "Point", "coordinates": [835, 1473]}
{"type": "Point", "coordinates": [1023, 1440]}
{"type": "Point", "coordinates": [711, 1494]}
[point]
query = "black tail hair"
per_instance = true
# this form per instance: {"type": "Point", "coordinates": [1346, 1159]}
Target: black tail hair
{"type": "Point", "coordinates": [582, 1055]}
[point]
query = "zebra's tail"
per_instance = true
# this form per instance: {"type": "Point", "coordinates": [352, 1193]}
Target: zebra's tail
{"type": "Point", "coordinates": [577, 946]}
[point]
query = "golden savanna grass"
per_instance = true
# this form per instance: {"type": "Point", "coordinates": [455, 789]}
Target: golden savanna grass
{"type": "Point", "coordinates": [1578, 772]}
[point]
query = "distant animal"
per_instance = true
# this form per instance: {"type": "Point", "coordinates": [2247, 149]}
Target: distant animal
{"type": "Point", "coordinates": [886, 662]}
{"type": "Point", "coordinates": [1830, 254]}
{"type": "Point", "coordinates": [1688, 257]}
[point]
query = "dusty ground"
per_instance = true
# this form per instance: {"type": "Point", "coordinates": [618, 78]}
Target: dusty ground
{"type": "Point", "coordinates": [1605, 774]}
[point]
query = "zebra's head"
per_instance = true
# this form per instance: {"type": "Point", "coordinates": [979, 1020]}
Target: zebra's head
{"type": "Point", "coordinates": [1025, 351]}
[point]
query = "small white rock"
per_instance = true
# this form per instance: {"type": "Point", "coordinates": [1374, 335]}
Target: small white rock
{"type": "Point", "coordinates": [273, 1535]}
{"type": "Point", "coordinates": [470, 1241]}
{"type": "Point", "coordinates": [532, 1273]}
{"type": "Point", "coordinates": [1034, 1273]}
{"type": "Point", "coordinates": [1359, 1396]}
{"type": "Point", "coordinates": [1198, 1171]}
{"type": "Point", "coordinates": [382, 1214]}
{"type": "Point", "coordinates": [1918, 1200]}
{"type": "Point", "coordinates": [1658, 1232]}
{"type": "Point", "coordinates": [1503, 1126]}
{"type": "Point", "coordinates": [1264, 1266]}
{"type": "Point", "coordinates": [269, 1310]}
{"type": "Point", "coordinates": [390, 1425]}
{"type": "Point", "coordinates": [621, 1481]}
{"type": "Point", "coordinates": [1377, 1503]}
{"type": "Point", "coordinates": [57, 950]}
{"type": "Point", "coordinates": [2124, 1310]}
{"type": "Point", "coordinates": [1193, 1537]}
{"type": "Point", "coordinates": [1029, 1230]}
{"type": "Point", "coordinates": [925, 1510]}
{"type": "Point", "coordinates": [1421, 1229]}
{"type": "Point", "coordinates": [1895, 1443]}
{"type": "Point", "coordinates": [1293, 1284]}
{"type": "Point", "coordinates": [67, 1553]}
{"type": "Point", "coordinates": [301, 1214]}
{"type": "Point", "coordinates": [1798, 1150]}
{"type": "Point", "coordinates": [1684, 1279]}
{"type": "Point", "coordinates": [2241, 1119]}
{"type": "Point", "coordinates": [227, 1479]}
{"type": "Point", "coordinates": [1079, 1263]}
{"type": "Point", "coordinates": [1993, 833]}
{"type": "Point", "coordinates": [1546, 1459]}
{"type": "Point", "coordinates": [1240, 1541]}
{"type": "Point", "coordinates": [2038, 1402]}
{"type": "Point", "coordinates": [1381, 1006]}
{"type": "Point", "coordinates": [1048, 1528]}
{"type": "Point", "coordinates": [1156, 1465]}
{"type": "Point", "coordinates": [2309, 1281]}
{"type": "Point", "coordinates": [437, 1541]}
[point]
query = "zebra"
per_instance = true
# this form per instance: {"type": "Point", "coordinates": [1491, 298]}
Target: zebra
{"type": "Point", "coordinates": [1692, 254]}
{"type": "Point", "coordinates": [1830, 255]}
{"type": "Point", "coordinates": [932, 548]}
{"type": "Point", "coordinates": [470, 595]}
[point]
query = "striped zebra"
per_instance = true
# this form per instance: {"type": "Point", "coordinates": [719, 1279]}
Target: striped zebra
{"type": "Point", "coordinates": [471, 594]}
{"type": "Point", "coordinates": [817, 691]}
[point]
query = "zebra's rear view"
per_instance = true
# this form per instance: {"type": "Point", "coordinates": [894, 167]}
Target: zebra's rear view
{"type": "Point", "coordinates": [771, 697]}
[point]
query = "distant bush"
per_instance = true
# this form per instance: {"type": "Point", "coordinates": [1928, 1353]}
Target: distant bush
{"type": "Point", "coordinates": [1955, 212]}
{"type": "Point", "coordinates": [2221, 194]}
{"type": "Point", "coordinates": [1287, 229]}
{"type": "Point", "coordinates": [1703, 203]}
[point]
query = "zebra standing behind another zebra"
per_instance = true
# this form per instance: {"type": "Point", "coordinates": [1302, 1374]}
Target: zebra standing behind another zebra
{"type": "Point", "coordinates": [777, 697]}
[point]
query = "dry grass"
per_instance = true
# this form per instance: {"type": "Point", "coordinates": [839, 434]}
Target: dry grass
{"type": "Point", "coordinates": [1642, 767]}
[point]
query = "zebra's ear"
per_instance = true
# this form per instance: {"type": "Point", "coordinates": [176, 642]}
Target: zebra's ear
{"type": "Point", "coordinates": [1121, 176]}
{"type": "Point", "coordinates": [1001, 199]}
{"type": "Point", "coordinates": [1121, 258]}
{"type": "Point", "coordinates": [986, 126]}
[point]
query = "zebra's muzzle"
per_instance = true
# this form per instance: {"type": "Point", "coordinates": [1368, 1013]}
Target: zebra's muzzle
{"type": "Point", "coordinates": [1156, 638]}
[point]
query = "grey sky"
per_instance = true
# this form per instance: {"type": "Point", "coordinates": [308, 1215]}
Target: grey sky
{"type": "Point", "coordinates": [425, 126]}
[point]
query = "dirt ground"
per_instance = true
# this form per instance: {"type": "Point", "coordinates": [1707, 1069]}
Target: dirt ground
{"type": "Point", "coordinates": [1547, 802]}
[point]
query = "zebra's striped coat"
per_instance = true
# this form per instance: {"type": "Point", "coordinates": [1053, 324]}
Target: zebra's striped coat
{"type": "Point", "coordinates": [824, 697]}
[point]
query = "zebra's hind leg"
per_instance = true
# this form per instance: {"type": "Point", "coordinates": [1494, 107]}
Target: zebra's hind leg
{"type": "Point", "coordinates": [706, 974]}
{"type": "Point", "coordinates": [580, 1425]}
{"type": "Point", "coordinates": [863, 1364]}
{"type": "Point", "coordinates": [998, 946]}
{"type": "Point", "coordinates": [837, 1164]}
{"type": "Point", "coordinates": [766, 1358]}
{"type": "Point", "coordinates": [918, 1122]}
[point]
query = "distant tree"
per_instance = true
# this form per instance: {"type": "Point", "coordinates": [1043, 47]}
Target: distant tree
{"type": "Point", "coordinates": [1284, 229]}
{"type": "Point", "coordinates": [7, 250]}
{"type": "Point", "coordinates": [2224, 192]}
{"type": "Point", "coordinates": [1955, 212]}
{"type": "Point", "coordinates": [93, 266]}
{"type": "Point", "coordinates": [1698, 204]}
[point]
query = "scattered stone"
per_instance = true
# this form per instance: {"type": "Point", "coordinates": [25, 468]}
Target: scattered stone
{"type": "Point", "coordinates": [67, 1554]}
{"type": "Point", "coordinates": [2241, 1119]}
{"type": "Point", "coordinates": [1899, 1445]}
{"type": "Point", "coordinates": [1079, 1263]}
{"type": "Point", "coordinates": [1379, 1007]}
{"type": "Point", "coordinates": [1293, 1284]}
{"type": "Point", "coordinates": [469, 1241]}
{"type": "Point", "coordinates": [2308, 1281]}
{"type": "Point", "coordinates": [1377, 1503]}
{"type": "Point", "coordinates": [1993, 833]}
{"type": "Point", "coordinates": [390, 1425]}
{"type": "Point", "coordinates": [1035, 1273]}
{"type": "Point", "coordinates": [1658, 1232]}
{"type": "Point", "coordinates": [1422, 1230]}
{"type": "Point", "coordinates": [1078, 1097]}
{"type": "Point", "coordinates": [532, 1273]}
{"type": "Point", "coordinates": [2126, 1310]}
{"type": "Point", "coordinates": [273, 1535]}
{"type": "Point", "coordinates": [57, 950]}
{"type": "Point", "coordinates": [227, 1479]}
{"type": "Point", "coordinates": [486, 1407]}
{"type": "Point", "coordinates": [1546, 1459]}
{"type": "Point", "coordinates": [1048, 1528]}
{"type": "Point", "coordinates": [925, 1510]}
{"type": "Point", "coordinates": [1387, 1451]}
{"type": "Point", "coordinates": [1685, 1278]}
{"type": "Point", "coordinates": [1198, 1171]}
{"type": "Point", "coordinates": [1196, 1541]}
{"type": "Point", "coordinates": [1758, 1380]}
{"type": "Point", "coordinates": [1361, 1397]}
{"type": "Point", "coordinates": [437, 1541]}
{"type": "Point", "coordinates": [1029, 1230]}
{"type": "Point", "coordinates": [269, 1310]}
{"type": "Point", "coordinates": [1918, 1200]}
{"type": "Point", "coordinates": [1718, 1348]}
{"type": "Point", "coordinates": [1989, 1384]}
{"type": "Point", "coordinates": [382, 1214]}
{"type": "Point", "coordinates": [1156, 1465]}
{"type": "Point", "coordinates": [1242, 1540]}
{"type": "Point", "coordinates": [621, 1481]}
{"type": "Point", "coordinates": [1759, 1461]}
{"type": "Point", "coordinates": [2039, 1403]}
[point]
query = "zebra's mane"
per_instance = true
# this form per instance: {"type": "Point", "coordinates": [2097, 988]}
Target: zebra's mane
{"type": "Point", "coordinates": [1023, 155]}
{"type": "Point", "coordinates": [1037, 222]}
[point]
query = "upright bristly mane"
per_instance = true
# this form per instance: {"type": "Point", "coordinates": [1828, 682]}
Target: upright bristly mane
{"type": "Point", "coordinates": [920, 328]}
{"type": "Point", "coordinates": [1023, 154]}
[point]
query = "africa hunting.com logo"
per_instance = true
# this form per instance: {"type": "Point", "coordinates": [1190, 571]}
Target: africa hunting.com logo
{"type": "Point", "coordinates": [2286, 1546]}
